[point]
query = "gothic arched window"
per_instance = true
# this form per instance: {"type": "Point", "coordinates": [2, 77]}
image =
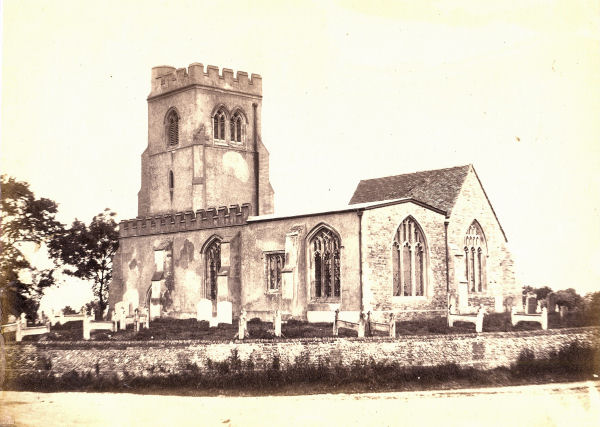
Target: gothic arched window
{"type": "Point", "coordinates": [409, 252]}
{"type": "Point", "coordinates": [219, 125]}
{"type": "Point", "coordinates": [172, 127]}
{"type": "Point", "coordinates": [212, 259]}
{"type": "Point", "coordinates": [475, 258]}
{"type": "Point", "coordinates": [235, 127]}
{"type": "Point", "coordinates": [324, 252]}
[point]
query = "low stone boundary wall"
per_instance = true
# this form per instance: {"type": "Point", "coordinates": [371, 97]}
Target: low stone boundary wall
{"type": "Point", "coordinates": [485, 350]}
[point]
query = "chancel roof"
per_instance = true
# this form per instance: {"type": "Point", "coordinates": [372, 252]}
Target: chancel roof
{"type": "Point", "coordinates": [438, 188]}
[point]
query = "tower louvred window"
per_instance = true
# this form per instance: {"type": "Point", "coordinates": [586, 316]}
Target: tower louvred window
{"type": "Point", "coordinates": [173, 128]}
{"type": "Point", "coordinates": [235, 128]}
{"type": "Point", "coordinates": [219, 125]}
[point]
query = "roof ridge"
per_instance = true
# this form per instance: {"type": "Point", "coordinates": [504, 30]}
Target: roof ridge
{"type": "Point", "coordinates": [420, 171]}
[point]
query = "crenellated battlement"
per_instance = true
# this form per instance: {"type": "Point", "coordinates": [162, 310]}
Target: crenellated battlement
{"type": "Point", "coordinates": [185, 221]}
{"type": "Point", "coordinates": [166, 79]}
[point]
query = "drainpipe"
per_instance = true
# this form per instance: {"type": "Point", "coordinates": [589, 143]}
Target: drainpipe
{"type": "Point", "coordinates": [447, 267]}
{"type": "Point", "coordinates": [359, 213]}
{"type": "Point", "coordinates": [255, 137]}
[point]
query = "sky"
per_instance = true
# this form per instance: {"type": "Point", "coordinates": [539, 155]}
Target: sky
{"type": "Point", "coordinates": [351, 90]}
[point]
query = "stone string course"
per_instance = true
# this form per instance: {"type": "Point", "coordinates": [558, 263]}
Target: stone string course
{"type": "Point", "coordinates": [486, 350]}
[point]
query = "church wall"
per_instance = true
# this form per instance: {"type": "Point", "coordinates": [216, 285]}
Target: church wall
{"type": "Point", "coordinates": [473, 204]}
{"type": "Point", "coordinates": [135, 267]}
{"type": "Point", "coordinates": [379, 227]}
{"type": "Point", "coordinates": [265, 236]}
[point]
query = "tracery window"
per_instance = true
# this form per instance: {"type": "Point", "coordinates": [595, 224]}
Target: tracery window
{"type": "Point", "coordinates": [172, 123]}
{"type": "Point", "coordinates": [212, 257]}
{"type": "Point", "coordinates": [235, 128]}
{"type": "Point", "coordinates": [475, 258]}
{"type": "Point", "coordinates": [273, 266]}
{"type": "Point", "coordinates": [325, 266]}
{"type": "Point", "coordinates": [219, 125]}
{"type": "Point", "coordinates": [409, 259]}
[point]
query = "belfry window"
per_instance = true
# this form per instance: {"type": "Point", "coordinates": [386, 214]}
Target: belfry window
{"type": "Point", "coordinates": [171, 184]}
{"type": "Point", "coordinates": [409, 252]}
{"type": "Point", "coordinates": [325, 264]}
{"type": "Point", "coordinates": [212, 259]}
{"type": "Point", "coordinates": [219, 125]}
{"type": "Point", "coordinates": [475, 258]}
{"type": "Point", "coordinates": [172, 123]}
{"type": "Point", "coordinates": [235, 127]}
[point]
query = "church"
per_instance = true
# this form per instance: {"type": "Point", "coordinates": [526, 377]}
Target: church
{"type": "Point", "coordinates": [207, 231]}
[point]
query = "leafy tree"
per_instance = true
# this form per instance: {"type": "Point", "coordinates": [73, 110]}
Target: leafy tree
{"type": "Point", "coordinates": [592, 307]}
{"type": "Point", "coordinates": [24, 220]}
{"type": "Point", "coordinates": [569, 298]}
{"type": "Point", "coordinates": [542, 293]}
{"type": "Point", "coordinates": [68, 310]}
{"type": "Point", "coordinates": [87, 251]}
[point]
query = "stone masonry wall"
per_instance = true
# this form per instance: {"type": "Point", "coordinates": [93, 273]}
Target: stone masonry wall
{"type": "Point", "coordinates": [379, 228]}
{"type": "Point", "coordinates": [487, 350]}
{"type": "Point", "coordinates": [472, 204]}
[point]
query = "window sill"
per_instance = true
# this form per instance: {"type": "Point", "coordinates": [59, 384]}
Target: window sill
{"type": "Point", "coordinates": [273, 292]}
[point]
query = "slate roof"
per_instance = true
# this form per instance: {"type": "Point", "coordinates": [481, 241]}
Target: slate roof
{"type": "Point", "coordinates": [438, 188]}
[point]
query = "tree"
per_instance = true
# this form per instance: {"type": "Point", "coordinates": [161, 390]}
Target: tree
{"type": "Point", "coordinates": [87, 251]}
{"type": "Point", "coordinates": [569, 298]}
{"type": "Point", "coordinates": [542, 293]}
{"type": "Point", "coordinates": [25, 220]}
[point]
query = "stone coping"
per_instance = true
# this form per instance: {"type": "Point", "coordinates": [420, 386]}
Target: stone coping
{"type": "Point", "coordinates": [182, 343]}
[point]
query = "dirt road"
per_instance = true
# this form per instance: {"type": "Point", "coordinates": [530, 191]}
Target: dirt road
{"type": "Point", "coordinates": [546, 405]}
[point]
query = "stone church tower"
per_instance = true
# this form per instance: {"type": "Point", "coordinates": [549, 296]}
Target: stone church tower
{"type": "Point", "coordinates": [204, 145]}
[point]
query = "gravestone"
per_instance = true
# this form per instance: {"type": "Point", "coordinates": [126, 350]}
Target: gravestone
{"type": "Point", "coordinates": [551, 302]}
{"type": "Point", "coordinates": [224, 312]}
{"type": "Point", "coordinates": [563, 311]}
{"type": "Point", "coordinates": [277, 323]}
{"type": "Point", "coordinates": [452, 304]}
{"type": "Point", "coordinates": [499, 304]}
{"type": "Point", "coordinates": [531, 304]}
{"type": "Point", "coordinates": [463, 296]}
{"type": "Point", "coordinates": [204, 310]}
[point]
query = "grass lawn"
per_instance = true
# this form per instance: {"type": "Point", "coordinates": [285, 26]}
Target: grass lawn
{"type": "Point", "coordinates": [191, 329]}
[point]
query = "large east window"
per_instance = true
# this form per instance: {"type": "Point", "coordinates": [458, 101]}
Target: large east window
{"type": "Point", "coordinates": [475, 258]}
{"type": "Point", "coordinates": [409, 254]}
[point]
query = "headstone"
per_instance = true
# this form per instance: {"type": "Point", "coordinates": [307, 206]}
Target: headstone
{"type": "Point", "coordinates": [563, 311]}
{"type": "Point", "coordinates": [551, 302]}
{"type": "Point", "coordinates": [452, 301]}
{"type": "Point", "coordinates": [204, 310]}
{"type": "Point", "coordinates": [224, 312]}
{"type": "Point", "coordinates": [277, 323]}
{"type": "Point", "coordinates": [243, 326]}
{"type": "Point", "coordinates": [463, 296]}
{"type": "Point", "coordinates": [499, 304]}
{"type": "Point", "coordinates": [531, 304]}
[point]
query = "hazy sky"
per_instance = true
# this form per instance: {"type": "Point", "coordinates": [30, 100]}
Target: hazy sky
{"type": "Point", "coordinates": [351, 90]}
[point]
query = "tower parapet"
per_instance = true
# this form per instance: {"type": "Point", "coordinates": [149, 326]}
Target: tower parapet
{"type": "Point", "coordinates": [185, 221]}
{"type": "Point", "coordinates": [165, 79]}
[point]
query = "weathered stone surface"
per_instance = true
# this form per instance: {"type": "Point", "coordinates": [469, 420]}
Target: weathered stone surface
{"type": "Point", "coordinates": [486, 350]}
